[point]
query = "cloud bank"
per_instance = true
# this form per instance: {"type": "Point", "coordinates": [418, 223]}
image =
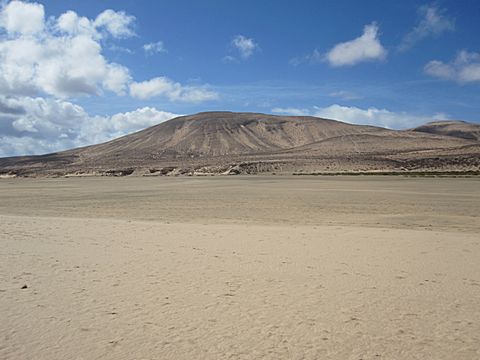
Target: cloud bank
{"type": "Point", "coordinates": [37, 125]}
{"type": "Point", "coordinates": [44, 62]}
{"type": "Point", "coordinates": [371, 116]}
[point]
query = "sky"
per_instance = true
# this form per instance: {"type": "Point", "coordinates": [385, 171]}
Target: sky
{"type": "Point", "coordinates": [74, 73]}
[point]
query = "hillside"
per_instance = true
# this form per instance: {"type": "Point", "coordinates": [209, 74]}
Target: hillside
{"type": "Point", "coordinates": [460, 129]}
{"type": "Point", "coordinates": [226, 142]}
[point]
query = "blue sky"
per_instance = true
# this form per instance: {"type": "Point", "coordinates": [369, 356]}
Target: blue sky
{"type": "Point", "coordinates": [79, 72]}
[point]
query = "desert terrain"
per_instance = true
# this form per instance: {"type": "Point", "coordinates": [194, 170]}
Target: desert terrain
{"type": "Point", "coordinates": [243, 267]}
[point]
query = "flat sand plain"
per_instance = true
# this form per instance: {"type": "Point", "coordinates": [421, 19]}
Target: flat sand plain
{"type": "Point", "coordinates": [240, 268]}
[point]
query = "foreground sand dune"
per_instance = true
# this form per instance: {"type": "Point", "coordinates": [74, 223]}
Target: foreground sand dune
{"type": "Point", "coordinates": [206, 268]}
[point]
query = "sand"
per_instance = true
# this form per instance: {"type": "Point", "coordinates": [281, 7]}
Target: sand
{"type": "Point", "coordinates": [240, 268]}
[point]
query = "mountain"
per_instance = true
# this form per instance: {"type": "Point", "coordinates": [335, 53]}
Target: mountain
{"type": "Point", "coordinates": [460, 129]}
{"type": "Point", "coordinates": [223, 134]}
{"type": "Point", "coordinates": [231, 143]}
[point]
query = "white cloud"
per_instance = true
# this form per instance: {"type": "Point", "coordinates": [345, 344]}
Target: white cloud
{"type": "Point", "coordinates": [37, 125]}
{"type": "Point", "coordinates": [72, 24]}
{"type": "Point", "coordinates": [39, 117]}
{"type": "Point", "coordinates": [245, 46]}
{"type": "Point", "coordinates": [439, 69]}
{"type": "Point", "coordinates": [432, 22]}
{"type": "Point", "coordinates": [22, 18]}
{"type": "Point", "coordinates": [62, 57]}
{"type": "Point", "coordinates": [463, 69]}
{"type": "Point", "coordinates": [16, 146]}
{"type": "Point", "coordinates": [367, 47]}
{"type": "Point", "coordinates": [315, 57]}
{"type": "Point", "coordinates": [136, 120]}
{"type": "Point", "coordinates": [116, 23]}
{"type": "Point", "coordinates": [173, 91]}
{"type": "Point", "coordinates": [371, 116]}
{"type": "Point", "coordinates": [156, 47]}
{"type": "Point", "coordinates": [291, 111]}
{"type": "Point", "coordinates": [43, 62]}
{"type": "Point", "coordinates": [229, 58]}
{"type": "Point", "coordinates": [121, 49]}
{"type": "Point", "coordinates": [108, 23]}
{"type": "Point", "coordinates": [345, 95]}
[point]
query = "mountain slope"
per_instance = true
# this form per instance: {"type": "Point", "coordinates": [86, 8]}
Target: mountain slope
{"type": "Point", "coordinates": [460, 129]}
{"type": "Point", "coordinates": [221, 142]}
{"type": "Point", "coordinates": [226, 133]}
{"type": "Point", "coordinates": [380, 142]}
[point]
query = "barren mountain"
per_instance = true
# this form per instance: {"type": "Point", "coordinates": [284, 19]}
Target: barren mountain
{"type": "Point", "coordinates": [231, 143]}
{"type": "Point", "coordinates": [460, 129]}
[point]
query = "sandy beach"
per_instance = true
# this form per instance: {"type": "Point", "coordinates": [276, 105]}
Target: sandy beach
{"type": "Point", "coordinates": [258, 267]}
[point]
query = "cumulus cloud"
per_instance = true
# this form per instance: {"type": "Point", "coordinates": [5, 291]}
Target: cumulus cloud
{"type": "Point", "coordinates": [433, 21]}
{"type": "Point", "coordinates": [44, 62]}
{"type": "Point", "coordinates": [108, 23]}
{"type": "Point", "coordinates": [62, 57]}
{"type": "Point", "coordinates": [371, 116]}
{"type": "Point", "coordinates": [122, 123]}
{"type": "Point", "coordinates": [173, 91]}
{"type": "Point", "coordinates": [464, 68]}
{"type": "Point", "coordinates": [116, 23]}
{"type": "Point", "coordinates": [155, 47]}
{"type": "Point", "coordinates": [244, 46]}
{"type": "Point", "coordinates": [367, 47]}
{"type": "Point", "coordinates": [22, 18]}
{"type": "Point", "coordinates": [36, 125]}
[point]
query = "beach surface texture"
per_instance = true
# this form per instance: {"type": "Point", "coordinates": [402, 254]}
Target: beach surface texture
{"type": "Point", "coordinates": [259, 267]}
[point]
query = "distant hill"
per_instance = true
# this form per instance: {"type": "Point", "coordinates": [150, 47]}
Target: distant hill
{"type": "Point", "coordinates": [232, 143]}
{"type": "Point", "coordinates": [460, 129]}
